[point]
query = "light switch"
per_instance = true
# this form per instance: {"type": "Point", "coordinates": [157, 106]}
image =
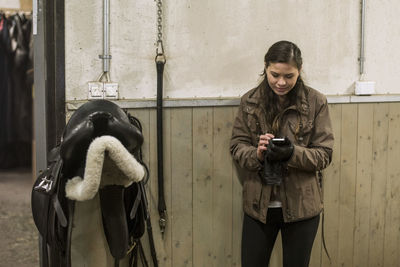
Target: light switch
{"type": "Point", "coordinates": [95, 90]}
{"type": "Point", "coordinates": [111, 90]}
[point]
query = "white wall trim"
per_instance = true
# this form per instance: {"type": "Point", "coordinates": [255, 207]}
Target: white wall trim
{"type": "Point", "coordinates": [215, 102]}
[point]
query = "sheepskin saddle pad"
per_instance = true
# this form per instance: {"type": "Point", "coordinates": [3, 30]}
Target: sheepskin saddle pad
{"type": "Point", "coordinates": [99, 153]}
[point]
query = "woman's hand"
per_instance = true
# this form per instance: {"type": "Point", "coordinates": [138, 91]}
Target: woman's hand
{"type": "Point", "coordinates": [262, 145]}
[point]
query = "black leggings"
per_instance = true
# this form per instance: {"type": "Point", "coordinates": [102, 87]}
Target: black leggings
{"type": "Point", "coordinates": [258, 240]}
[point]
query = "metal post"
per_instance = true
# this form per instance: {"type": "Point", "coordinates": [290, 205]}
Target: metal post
{"type": "Point", "coordinates": [362, 56]}
{"type": "Point", "coordinates": [39, 105]}
{"type": "Point", "coordinates": [39, 102]}
{"type": "Point", "coordinates": [106, 36]}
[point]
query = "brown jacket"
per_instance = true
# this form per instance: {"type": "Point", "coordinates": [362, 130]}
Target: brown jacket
{"type": "Point", "coordinates": [309, 129]}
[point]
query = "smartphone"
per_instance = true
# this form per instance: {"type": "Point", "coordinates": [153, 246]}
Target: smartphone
{"type": "Point", "coordinates": [278, 141]}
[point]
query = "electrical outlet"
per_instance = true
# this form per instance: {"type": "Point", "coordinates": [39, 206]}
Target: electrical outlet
{"type": "Point", "coordinates": [111, 90]}
{"type": "Point", "coordinates": [96, 90]}
{"type": "Point", "coordinates": [364, 88]}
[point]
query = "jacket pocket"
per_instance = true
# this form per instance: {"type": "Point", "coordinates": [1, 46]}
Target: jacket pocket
{"type": "Point", "coordinates": [302, 132]}
{"type": "Point", "coordinates": [252, 123]}
{"type": "Point", "coordinates": [252, 194]}
{"type": "Point", "coordinates": [309, 199]}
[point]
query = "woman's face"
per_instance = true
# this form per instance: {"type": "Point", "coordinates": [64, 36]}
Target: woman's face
{"type": "Point", "coordinates": [282, 77]}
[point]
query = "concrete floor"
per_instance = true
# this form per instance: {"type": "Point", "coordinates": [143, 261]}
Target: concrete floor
{"type": "Point", "coordinates": [18, 234]}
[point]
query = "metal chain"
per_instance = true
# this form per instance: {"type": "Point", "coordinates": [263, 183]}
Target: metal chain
{"type": "Point", "coordinates": [159, 28]}
{"type": "Point", "coordinates": [159, 20]}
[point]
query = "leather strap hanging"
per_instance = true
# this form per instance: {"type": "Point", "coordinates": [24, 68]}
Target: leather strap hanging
{"type": "Point", "coordinates": [142, 190]}
{"type": "Point", "coordinates": [160, 62]}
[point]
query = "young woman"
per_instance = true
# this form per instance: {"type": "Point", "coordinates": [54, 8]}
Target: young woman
{"type": "Point", "coordinates": [281, 182]}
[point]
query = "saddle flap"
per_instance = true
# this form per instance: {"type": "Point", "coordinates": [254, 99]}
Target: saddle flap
{"type": "Point", "coordinates": [114, 219]}
{"type": "Point", "coordinates": [135, 208]}
{"type": "Point", "coordinates": [42, 195]}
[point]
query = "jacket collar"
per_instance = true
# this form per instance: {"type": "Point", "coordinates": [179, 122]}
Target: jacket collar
{"type": "Point", "coordinates": [258, 94]}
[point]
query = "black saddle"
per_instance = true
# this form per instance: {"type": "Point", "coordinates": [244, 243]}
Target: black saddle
{"type": "Point", "coordinates": [123, 208]}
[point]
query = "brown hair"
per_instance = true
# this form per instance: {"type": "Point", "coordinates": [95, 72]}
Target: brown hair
{"type": "Point", "coordinates": [281, 52]}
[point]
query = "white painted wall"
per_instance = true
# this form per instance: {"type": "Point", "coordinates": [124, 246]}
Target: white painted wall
{"type": "Point", "coordinates": [383, 45]}
{"type": "Point", "coordinates": [14, 4]}
{"type": "Point", "coordinates": [215, 48]}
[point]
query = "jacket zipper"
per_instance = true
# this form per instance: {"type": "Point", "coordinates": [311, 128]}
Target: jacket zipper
{"type": "Point", "coordinates": [287, 208]}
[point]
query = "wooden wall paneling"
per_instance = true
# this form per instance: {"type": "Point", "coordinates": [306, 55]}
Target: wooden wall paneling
{"type": "Point", "coordinates": [378, 185]}
{"type": "Point", "coordinates": [347, 184]}
{"type": "Point", "coordinates": [204, 194]}
{"type": "Point", "coordinates": [162, 242]}
{"type": "Point", "coordinates": [26, 5]}
{"type": "Point", "coordinates": [237, 211]}
{"type": "Point", "coordinates": [276, 255]}
{"type": "Point", "coordinates": [167, 239]}
{"type": "Point", "coordinates": [237, 219]}
{"type": "Point", "coordinates": [143, 116]}
{"type": "Point", "coordinates": [315, 258]}
{"type": "Point", "coordinates": [392, 213]}
{"type": "Point", "coordinates": [363, 184]}
{"type": "Point", "coordinates": [202, 186]}
{"type": "Point", "coordinates": [222, 188]}
{"type": "Point", "coordinates": [331, 185]}
{"type": "Point", "coordinates": [181, 219]}
{"type": "Point", "coordinates": [152, 184]}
